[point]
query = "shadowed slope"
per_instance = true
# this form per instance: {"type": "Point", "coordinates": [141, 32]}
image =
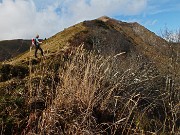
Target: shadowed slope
{"type": "Point", "coordinates": [12, 48]}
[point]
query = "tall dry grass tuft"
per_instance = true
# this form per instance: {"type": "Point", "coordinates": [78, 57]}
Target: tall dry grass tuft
{"type": "Point", "coordinates": [95, 94]}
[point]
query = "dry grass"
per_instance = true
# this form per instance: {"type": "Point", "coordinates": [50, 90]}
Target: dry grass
{"type": "Point", "coordinates": [100, 95]}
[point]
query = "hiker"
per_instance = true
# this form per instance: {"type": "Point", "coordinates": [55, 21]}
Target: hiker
{"type": "Point", "coordinates": [37, 46]}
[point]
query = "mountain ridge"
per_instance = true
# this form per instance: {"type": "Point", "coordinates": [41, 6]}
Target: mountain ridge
{"type": "Point", "coordinates": [100, 76]}
{"type": "Point", "coordinates": [110, 36]}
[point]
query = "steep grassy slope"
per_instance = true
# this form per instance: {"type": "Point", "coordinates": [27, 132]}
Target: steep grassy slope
{"type": "Point", "coordinates": [97, 77]}
{"type": "Point", "coordinates": [147, 43]}
{"type": "Point", "coordinates": [55, 44]}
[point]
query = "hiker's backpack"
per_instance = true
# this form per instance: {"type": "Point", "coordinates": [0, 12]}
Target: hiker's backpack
{"type": "Point", "coordinates": [33, 41]}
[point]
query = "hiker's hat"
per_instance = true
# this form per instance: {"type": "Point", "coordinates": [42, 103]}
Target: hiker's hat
{"type": "Point", "coordinates": [37, 36]}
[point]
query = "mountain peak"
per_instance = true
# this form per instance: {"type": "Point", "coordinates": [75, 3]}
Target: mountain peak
{"type": "Point", "coordinates": [104, 18]}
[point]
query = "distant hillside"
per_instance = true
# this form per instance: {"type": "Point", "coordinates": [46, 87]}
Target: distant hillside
{"type": "Point", "coordinates": [100, 76]}
{"type": "Point", "coordinates": [12, 48]}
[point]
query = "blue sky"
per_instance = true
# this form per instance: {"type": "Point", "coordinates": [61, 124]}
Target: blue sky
{"type": "Point", "coordinates": [156, 22]}
{"type": "Point", "coordinates": [26, 18]}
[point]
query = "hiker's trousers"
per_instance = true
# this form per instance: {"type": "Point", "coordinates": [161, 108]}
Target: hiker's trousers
{"type": "Point", "coordinates": [38, 48]}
